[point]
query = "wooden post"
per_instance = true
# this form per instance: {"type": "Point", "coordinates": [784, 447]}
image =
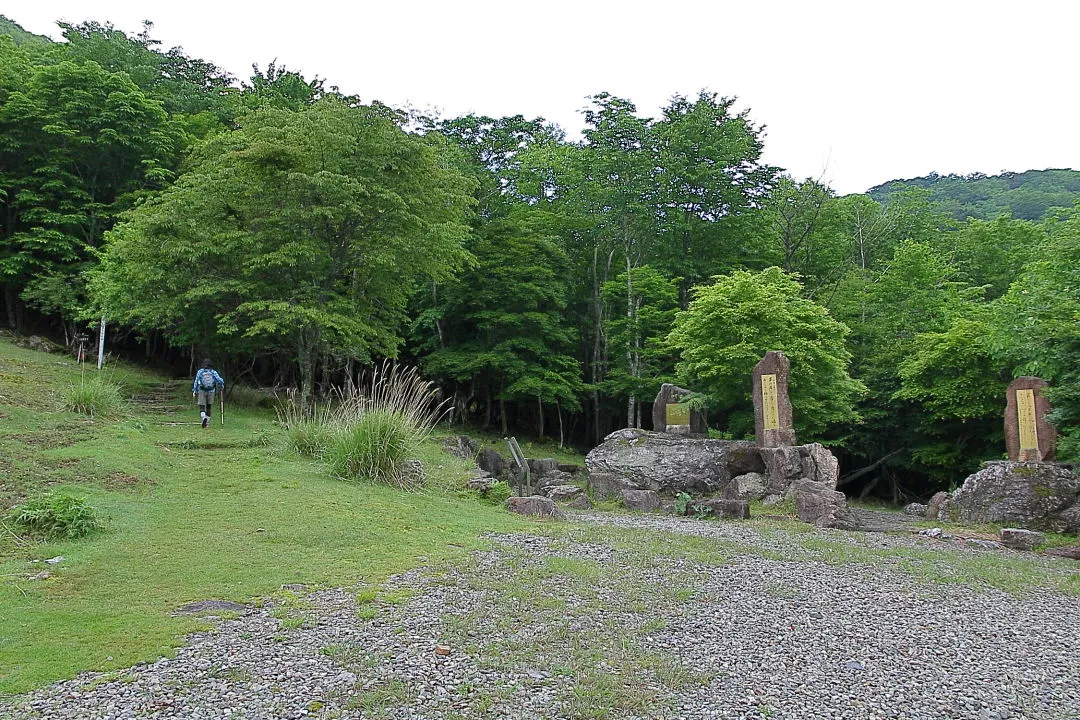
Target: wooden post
{"type": "Point", "coordinates": [101, 344]}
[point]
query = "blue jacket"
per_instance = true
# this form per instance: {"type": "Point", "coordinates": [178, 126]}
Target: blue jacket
{"type": "Point", "coordinates": [218, 382]}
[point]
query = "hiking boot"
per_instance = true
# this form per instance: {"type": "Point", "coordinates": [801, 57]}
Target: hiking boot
{"type": "Point", "coordinates": [205, 420]}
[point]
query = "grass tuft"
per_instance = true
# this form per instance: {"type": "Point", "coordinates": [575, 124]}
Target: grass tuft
{"type": "Point", "coordinates": [374, 432]}
{"type": "Point", "coordinates": [95, 396]}
{"type": "Point", "coordinates": [54, 516]}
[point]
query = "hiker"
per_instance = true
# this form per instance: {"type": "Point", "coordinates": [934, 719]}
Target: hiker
{"type": "Point", "coordinates": [206, 382]}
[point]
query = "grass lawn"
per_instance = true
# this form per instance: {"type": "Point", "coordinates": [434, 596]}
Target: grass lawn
{"type": "Point", "coordinates": [191, 514]}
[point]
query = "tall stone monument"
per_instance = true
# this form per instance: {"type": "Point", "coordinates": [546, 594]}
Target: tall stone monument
{"type": "Point", "coordinates": [1028, 436]}
{"type": "Point", "coordinates": [773, 426]}
{"type": "Point", "coordinates": [671, 413]}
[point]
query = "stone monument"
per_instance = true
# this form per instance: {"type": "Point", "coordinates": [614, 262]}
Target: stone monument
{"type": "Point", "coordinates": [773, 426]}
{"type": "Point", "coordinates": [1029, 490]}
{"type": "Point", "coordinates": [1028, 436]}
{"type": "Point", "coordinates": [672, 415]}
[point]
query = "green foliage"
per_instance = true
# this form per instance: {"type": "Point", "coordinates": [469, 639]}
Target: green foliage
{"type": "Point", "coordinates": [55, 516]}
{"type": "Point", "coordinates": [681, 501]}
{"type": "Point", "coordinates": [1027, 195]}
{"type": "Point", "coordinates": [95, 396]}
{"type": "Point", "coordinates": [372, 433]}
{"type": "Point", "coordinates": [498, 493]}
{"type": "Point", "coordinates": [501, 321]}
{"type": "Point", "coordinates": [20, 36]}
{"type": "Point", "coordinates": [641, 308]}
{"type": "Point", "coordinates": [1036, 324]}
{"type": "Point", "coordinates": [291, 231]}
{"type": "Point", "coordinates": [732, 323]}
{"type": "Point", "coordinates": [81, 143]}
{"type": "Point", "coordinates": [309, 430]}
{"type": "Point", "coordinates": [958, 385]}
{"type": "Point", "coordinates": [375, 448]}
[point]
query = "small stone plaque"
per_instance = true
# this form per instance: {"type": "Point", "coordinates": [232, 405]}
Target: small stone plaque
{"type": "Point", "coordinates": [1025, 420]}
{"type": "Point", "coordinates": [678, 414]}
{"type": "Point", "coordinates": [769, 408]}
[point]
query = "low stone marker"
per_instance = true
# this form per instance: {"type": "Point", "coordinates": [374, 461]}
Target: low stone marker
{"type": "Point", "coordinates": [672, 415]}
{"type": "Point", "coordinates": [721, 508]}
{"type": "Point", "coordinates": [773, 425]}
{"type": "Point", "coordinates": [1020, 539]}
{"type": "Point", "coordinates": [534, 506]}
{"type": "Point", "coordinates": [1028, 436]}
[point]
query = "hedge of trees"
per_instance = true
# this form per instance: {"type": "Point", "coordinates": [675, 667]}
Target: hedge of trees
{"type": "Point", "coordinates": [549, 285]}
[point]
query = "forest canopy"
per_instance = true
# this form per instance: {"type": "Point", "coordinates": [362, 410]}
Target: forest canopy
{"type": "Point", "coordinates": [547, 284]}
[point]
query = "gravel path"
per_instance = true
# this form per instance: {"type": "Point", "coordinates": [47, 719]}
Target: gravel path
{"type": "Point", "coordinates": [623, 616]}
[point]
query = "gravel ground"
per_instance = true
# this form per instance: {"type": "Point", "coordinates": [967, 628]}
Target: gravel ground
{"type": "Point", "coordinates": [619, 616]}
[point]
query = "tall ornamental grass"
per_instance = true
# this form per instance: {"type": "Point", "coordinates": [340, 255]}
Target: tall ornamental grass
{"type": "Point", "coordinates": [95, 396]}
{"type": "Point", "coordinates": [373, 432]}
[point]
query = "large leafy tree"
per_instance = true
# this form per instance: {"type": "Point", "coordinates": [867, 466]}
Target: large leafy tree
{"type": "Point", "coordinates": [641, 361]}
{"type": "Point", "coordinates": [79, 143]}
{"type": "Point", "coordinates": [304, 229]}
{"type": "Point", "coordinates": [1038, 323]}
{"type": "Point", "coordinates": [731, 323]}
{"type": "Point", "coordinates": [501, 336]}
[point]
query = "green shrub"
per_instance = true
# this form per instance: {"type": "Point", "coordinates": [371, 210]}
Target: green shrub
{"type": "Point", "coordinates": [498, 493]}
{"type": "Point", "coordinates": [373, 432]}
{"type": "Point", "coordinates": [54, 516]}
{"type": "Point", "coordinates": [308, 431]}
{"type": "Point", "coordinates": [96, 397]}
{"type": "Point", "coordinates": [376, 448]}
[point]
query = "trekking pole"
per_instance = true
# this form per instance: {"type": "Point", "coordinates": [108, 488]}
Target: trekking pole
{"type": "Point", "coordinates": [222, 407]}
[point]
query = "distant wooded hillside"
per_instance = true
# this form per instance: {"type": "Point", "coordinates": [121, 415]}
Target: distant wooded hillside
{"type": "Point", "coordinates": [15, 31]}
{"type": "Point", "coordinates": [1025, 195]}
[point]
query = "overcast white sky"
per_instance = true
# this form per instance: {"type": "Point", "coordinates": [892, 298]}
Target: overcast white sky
{"type": "Point", "coordinates": [855, 92]}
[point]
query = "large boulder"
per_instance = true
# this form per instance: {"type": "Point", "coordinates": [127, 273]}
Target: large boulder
{"type": "Point", "coordinates": [1031, 495]}
{"type": "Point", "coordinates": [670, 464]}
{"type": "Point", "coordinates": [608, 486]}
{"type": "Point", "coordinates": [491, 461]}
{"type": "Point", "coordinates": [787, 464]}
{"type": "Point", "coordinates": [748, 487]}
{"type": "Point", "coordinates": [641, 500]}
{"type": "Point", "coordinates": [563, 493]}
{"type": "Point", "coordinates": [717, 507]}
{"type": "Point", "coordinates": [534, 506]}
{"type": "Point", "coordinates": [461, 446]}
{"type": "Point", "coordinates": [819, 504]}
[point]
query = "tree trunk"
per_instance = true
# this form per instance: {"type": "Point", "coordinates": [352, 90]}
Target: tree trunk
{"type": "Point", "coordinates": [540, 422]}
{"type": "Point", "coordinates": [558, 411]}
{"type": "Point", "coordinates": [487, 404]}
{"type": "Point", "coordinates": [502, 416]}
{"type": "Point", "coordinates": [305, 359]}
{"type": "Point", "coordinates": [9, 302]}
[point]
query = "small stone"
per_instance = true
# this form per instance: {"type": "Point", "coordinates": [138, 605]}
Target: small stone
{"type": "Point", "coordinates": [1020, 539]}
{"type": "Point", "coordinates": [442, 649]}
{"type": "Point", "coordinates": [915, 509]}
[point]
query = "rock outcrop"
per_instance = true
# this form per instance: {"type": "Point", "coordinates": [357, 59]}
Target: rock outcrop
{"type": "Point", "coordinates": [748, 487]}
{"type": "Point", "coordinates": [1030, 495]}
{"type": "Point", "coordinates": [671, 464]}
{"type": "Point", "coordinates": [718, 507]}
{"type": "Point", "coordinates": [787, 464]}
{"type": "Point", "coordinates": [534, 506]}
{"type": "Point", "coordinates": [819, 504]}
{"type": "Point", "coordinates": [641, 500]}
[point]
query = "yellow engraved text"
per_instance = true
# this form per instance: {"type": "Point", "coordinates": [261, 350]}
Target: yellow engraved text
{"type": "Point", "coordinates": [770, 411]}
{"type": "Point", "coordinates": [678, 414]}
{"type": "Point", "coordinates": [1025, 419]}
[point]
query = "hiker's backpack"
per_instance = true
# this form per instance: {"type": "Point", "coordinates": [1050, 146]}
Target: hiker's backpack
{"type": "Point", "coordinates": [206, 380]}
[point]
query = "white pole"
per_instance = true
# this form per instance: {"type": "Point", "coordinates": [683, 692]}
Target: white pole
{"type": "Point", "coordinates": [101, 344]}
